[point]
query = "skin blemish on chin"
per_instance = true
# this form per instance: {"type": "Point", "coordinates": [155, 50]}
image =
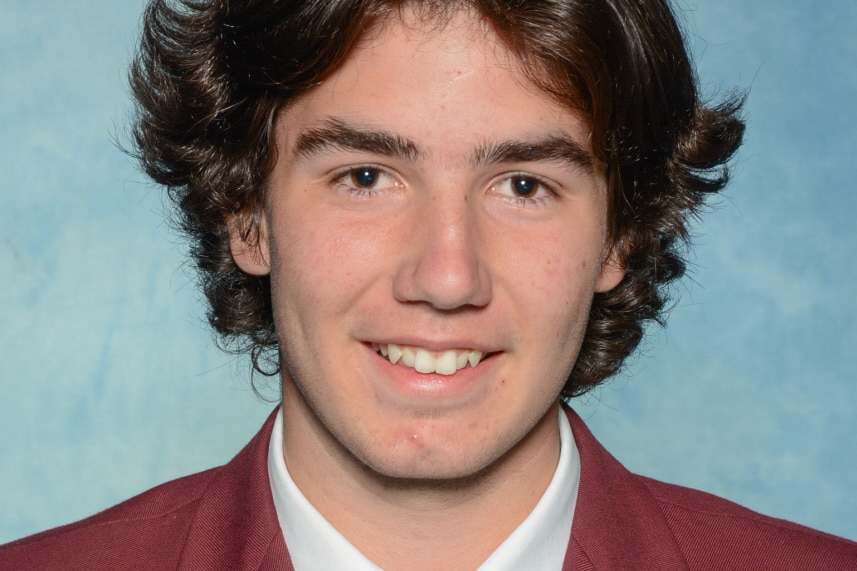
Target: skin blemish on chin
{"type": "Point", "coordinates": [458, 74]}
{"type": "Point", "coordinates": [416, 440]}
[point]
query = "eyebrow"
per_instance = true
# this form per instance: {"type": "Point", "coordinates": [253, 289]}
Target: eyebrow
{"type": "Point", "coordinates": [336, 134]}
{"type": "Point", "coordinates": [554, 148]}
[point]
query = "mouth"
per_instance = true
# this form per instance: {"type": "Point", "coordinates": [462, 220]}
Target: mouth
{"type": "Point", "coordinates": [446, 362]}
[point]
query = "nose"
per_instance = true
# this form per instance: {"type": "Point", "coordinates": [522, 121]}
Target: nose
{"type": "Point", "coordinates": [444, 267]}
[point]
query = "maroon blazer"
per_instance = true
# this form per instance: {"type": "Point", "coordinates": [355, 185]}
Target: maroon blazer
{"type": "Point", "coordinates": [224, 520]}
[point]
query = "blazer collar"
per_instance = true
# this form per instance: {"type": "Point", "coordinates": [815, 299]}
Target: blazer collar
{"type": "Point", "coordinates": [618, 523]}
{"type": "Point", "coordinates": [235, 527]}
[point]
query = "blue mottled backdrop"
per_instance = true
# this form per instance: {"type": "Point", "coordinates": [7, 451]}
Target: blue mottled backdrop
{"type": "Point", "coordinates": [110, 383]}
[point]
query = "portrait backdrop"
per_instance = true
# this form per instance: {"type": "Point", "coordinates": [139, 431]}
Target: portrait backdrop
{"type": "Point", "coordinates": [111, 384]}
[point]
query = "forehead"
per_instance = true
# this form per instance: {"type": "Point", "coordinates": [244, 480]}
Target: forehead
{"type": "Point", "coordinates": [445, 79]}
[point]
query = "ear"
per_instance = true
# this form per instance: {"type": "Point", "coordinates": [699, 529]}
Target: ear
{"type": "Point", "coordinates": [612, 269]}
{"type": "Point", "coordinates": [248, 241]}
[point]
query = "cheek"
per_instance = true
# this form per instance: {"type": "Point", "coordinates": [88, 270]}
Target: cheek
{"type": "Point", "coordinates": [325, 261]}
{"type": "Point", "coordinates": [569, 266]}
{"type": "Point", "coordinates": [545, 272]}
{"type": "Point", "coordinates": [555, 282]}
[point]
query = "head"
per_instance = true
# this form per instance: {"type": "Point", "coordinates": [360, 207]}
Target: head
{"type": "Point", "coordinates": [213, 81]}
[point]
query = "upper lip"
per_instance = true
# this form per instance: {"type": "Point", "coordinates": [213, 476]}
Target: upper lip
{"type": "Point", "coordinates": [435, 344]}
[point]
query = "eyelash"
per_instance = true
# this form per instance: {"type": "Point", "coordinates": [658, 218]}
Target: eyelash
{"type": "Point", "coordinates": [526, 201]}
{"type": "Point", "coordinates": [338, 180]}
{"type": "Point", "coordinates": [520, 201]}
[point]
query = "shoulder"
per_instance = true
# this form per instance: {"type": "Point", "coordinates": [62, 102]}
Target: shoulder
{"type": "Point", "coordinates": [217, 519]}
{"type": "Point", "coordinates": [713, 531]}
{"type": "Point", "coordinates": [623, 520]}
{"type": "Point", "coordinates": [146, 531]}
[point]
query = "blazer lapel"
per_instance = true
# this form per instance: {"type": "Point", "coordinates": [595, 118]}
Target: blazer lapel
{"type": "Point", "coordinates": [617, 524]}
{"type": "Point", "coordinates": [235, 527]}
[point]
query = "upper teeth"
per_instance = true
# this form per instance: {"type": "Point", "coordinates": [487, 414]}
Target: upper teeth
{"type": "Point", "coordinates": [425, 361]}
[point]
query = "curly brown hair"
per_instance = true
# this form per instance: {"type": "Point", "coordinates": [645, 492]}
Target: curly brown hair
{"type": "Point", "coordinates": [210, 76]}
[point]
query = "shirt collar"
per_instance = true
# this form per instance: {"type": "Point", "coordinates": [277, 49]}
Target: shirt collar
{"type": "Point", "coordinates": [540, 542]}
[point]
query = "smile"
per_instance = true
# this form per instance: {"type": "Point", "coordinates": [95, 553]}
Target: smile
{"type": "Point", "coordinates": [425, 361]}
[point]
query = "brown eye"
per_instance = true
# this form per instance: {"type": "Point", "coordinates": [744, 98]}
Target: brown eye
{"type": "Point", "coordinates": [524, 186]}
{"type": "Point", "coordinates": [366, 181]}
{"type": "Point", "coordinates": [364, 177]}
{"type": "Point", "coordinates": [524, 189]}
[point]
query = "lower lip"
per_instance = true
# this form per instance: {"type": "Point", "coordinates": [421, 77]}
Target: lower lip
{"type": "Point", "coordinates": [404, 384]}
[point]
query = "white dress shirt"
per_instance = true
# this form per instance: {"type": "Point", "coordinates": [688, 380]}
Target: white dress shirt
{"type": "Point", "coordinates": [539, 543]}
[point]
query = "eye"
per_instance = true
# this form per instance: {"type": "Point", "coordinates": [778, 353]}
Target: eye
{"type": "Point", "coordinates": [523, 187]}
{"type": "Point", "coordinates": [365, 177]}
{"type": "Point", "coordinates": [365, 180]}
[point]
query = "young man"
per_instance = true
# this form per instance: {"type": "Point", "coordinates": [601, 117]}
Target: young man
{"type": "Point", "coordinates": [434, 220]}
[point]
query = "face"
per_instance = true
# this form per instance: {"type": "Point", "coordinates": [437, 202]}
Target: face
{"type": "Point", "coordinates": [435, 232]}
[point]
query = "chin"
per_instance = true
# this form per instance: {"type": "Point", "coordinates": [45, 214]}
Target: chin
{"type": "Point", "coordinates": [446, 472]}
{"type": "Point", "coordinates": [414, 457]}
